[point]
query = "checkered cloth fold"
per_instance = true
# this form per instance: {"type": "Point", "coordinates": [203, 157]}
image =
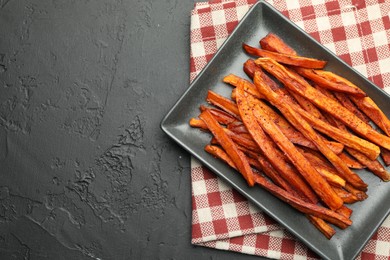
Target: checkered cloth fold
{"type": "Point", "coordinates": [357, 31]}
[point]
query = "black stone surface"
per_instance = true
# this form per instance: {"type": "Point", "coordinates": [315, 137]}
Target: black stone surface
{"type": "Point", "coordinates": [85, 171]}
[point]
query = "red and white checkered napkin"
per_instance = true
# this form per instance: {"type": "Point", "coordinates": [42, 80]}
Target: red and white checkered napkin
{"type": "Point", "coordinates": [358, 31]}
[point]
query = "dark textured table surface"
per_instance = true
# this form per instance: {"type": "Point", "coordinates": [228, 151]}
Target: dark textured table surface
{"type": "Point", "coordinates": [85, 171]}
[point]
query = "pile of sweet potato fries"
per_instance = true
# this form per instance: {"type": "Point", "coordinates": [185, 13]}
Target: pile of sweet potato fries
{"type": "Point", "coordinates": [299, 138]}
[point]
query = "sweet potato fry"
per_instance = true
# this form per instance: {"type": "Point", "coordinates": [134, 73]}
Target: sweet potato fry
{"type": "Point", "coordinates": [319, 77]}
{"type": "Point", "coordinates": [322, 226]}
{"type": "Point", "coordinates": [214, 141]}
{"type": "Point", "coordinates": [385, 154]}
{"type": "Point", "coordinates": [368, 106]}
{"type": "Point", "coordinates": [323, 102]}
{"type": "Point", "coordinates": [268, 148]}
{"type": "Point", "coordinates": [223, 103]}
{"type": "Point", "coordinates": [250, 67]}
{"type": "Point", "coordinates": [272, 42]}
{"type": "Point", "coordinates": [254, 163]}
{"type": "Point", "coordinates": [303, 126]}
{"type": "Point", "coordinates": [237, 127]}
{"type": "Point", "coordinates": [246, 135]}
{"type": "Point", "coordinates": [219, 153]}
{"type": "Point", "coordinates": [233, 95]}
{"type": "Point", "coordinates": [347, 103]}
{"type": "Point", "coordinates": [329, 175]}
{"type": "Point", "coordinates": [242, 140]}
{"type": "Point", "coordinates": [345, 211]}
{"type": "Point", "coordinates": [229, 146]}
{"type": "Point", "coordinates": [307, 105]}
{"type": "Point", "coordinates": [285, 58]}
{"type": "Point", "coordinates": [248, 86]}
{"type": "Point", "coordinates": [221, 116]}
{"type": "Point", "coordinates": [334, 78]}
{"type": "Point", "coordinates": [374, 165]}
{"type": "Point", "coordinates": [360, 195]}
{"type": "Point", "coordinates": [350, 162]}
{"type": "Point", "coordinates": [323, 167]}
{"type": "Point", "coordinates": [197, 123]}
{"type": "Point", "coordinates": [346, 196]}
{"type": "Point", "coordinates": [268, 170]}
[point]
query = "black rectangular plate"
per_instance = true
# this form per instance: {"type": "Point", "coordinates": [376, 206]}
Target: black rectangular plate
{"type": "Point", "coordinates": [260, 20]}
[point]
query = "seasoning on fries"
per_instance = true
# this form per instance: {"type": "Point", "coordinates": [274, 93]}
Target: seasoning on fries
{"type": "Point", "coordinates": [298, 138]}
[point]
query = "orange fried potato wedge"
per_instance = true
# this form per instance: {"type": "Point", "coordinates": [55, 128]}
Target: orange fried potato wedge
{"type": "Point", "coordinates": [320, 78]}
{"type": "Point", "coordinates": [272, 42]}
{"type": "Point", "coordinates": [285, 58]}
{"type": "Point", "coordinates": [229, 146]}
